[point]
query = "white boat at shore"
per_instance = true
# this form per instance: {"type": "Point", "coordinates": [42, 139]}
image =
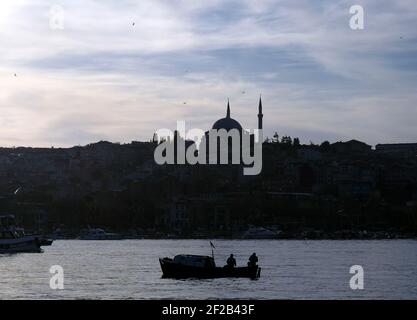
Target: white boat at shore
{"type": "Point", "coordinates": [14, 240]}
{"type": "Point", "coordinates": [98, 234]}
{"type": "Point", "coordinates": [260, 233]}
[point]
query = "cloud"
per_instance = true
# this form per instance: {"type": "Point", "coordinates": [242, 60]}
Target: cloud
{"type": "Point", "coordinates": [102, 77]}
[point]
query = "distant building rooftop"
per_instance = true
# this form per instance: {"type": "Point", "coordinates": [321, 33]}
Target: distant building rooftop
{"type": "Point", "coordinates": [351, 146]}
{"type": "Point", "coordinates": [397, 148]}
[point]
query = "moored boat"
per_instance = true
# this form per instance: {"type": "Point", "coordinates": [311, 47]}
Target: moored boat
{"type": "Point", "coordinates": [260, 233]}
{"type": "Point", "coordinates": [203, 267]}
{"type": "Point", "coordinates": [14, 240]}
{"type": "Point", "coordinates": [98, 234]}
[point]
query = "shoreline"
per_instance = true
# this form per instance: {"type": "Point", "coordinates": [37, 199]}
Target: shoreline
{"type": "Point", "coordinates": [241, 239]}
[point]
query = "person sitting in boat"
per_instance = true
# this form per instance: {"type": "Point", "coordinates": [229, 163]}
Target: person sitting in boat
{"type": "Point", "coordinates": [253, 260]}
{"type": "Point", "coordinates": [231, 261]}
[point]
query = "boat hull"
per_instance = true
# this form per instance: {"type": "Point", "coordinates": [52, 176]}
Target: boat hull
{"type": "Point", "coordinates": [22, 244]}
{"type": "Point", "coordinates": [179, 271]}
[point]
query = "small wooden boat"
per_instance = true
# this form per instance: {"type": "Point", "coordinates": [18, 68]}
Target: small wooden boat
{"type": "Point", "coordinates": [203, 267]}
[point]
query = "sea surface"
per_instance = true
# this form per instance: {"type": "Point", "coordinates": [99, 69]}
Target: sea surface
{"type": "Point", "coordinates": [129, 269]}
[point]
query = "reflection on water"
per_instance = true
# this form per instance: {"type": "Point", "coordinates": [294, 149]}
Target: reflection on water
{"type": "Point", "coordinates": [130, 269]}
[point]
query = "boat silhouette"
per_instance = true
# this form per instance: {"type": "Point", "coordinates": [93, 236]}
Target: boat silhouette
{"type": "Point", "coordinates": [203, 267]}
{"type": "Point", "coordinates": [14, 240]}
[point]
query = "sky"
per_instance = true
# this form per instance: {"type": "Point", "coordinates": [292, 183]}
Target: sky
{"type": "Point", "coordinates": [80, 71]}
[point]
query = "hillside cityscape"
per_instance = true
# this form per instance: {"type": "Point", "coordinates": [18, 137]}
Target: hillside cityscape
{"type": "Point", "coordinates": [331, 190]}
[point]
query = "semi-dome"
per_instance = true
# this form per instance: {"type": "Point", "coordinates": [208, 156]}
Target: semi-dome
{"type": "Point", "coordinates": [227, 123]}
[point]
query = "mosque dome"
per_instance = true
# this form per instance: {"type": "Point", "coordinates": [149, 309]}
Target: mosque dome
{"type": "Point", "coordinates": [227, 123]}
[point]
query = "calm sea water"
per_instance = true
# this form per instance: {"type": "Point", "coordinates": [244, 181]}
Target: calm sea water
{"type": "Point", "coordinates": [130, 269]}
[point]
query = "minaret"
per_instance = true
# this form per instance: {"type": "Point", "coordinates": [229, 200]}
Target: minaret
{"type": "Point", "coordinates": [228, 109]}
{"type": "Point", "coordinates": [260, 115]}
